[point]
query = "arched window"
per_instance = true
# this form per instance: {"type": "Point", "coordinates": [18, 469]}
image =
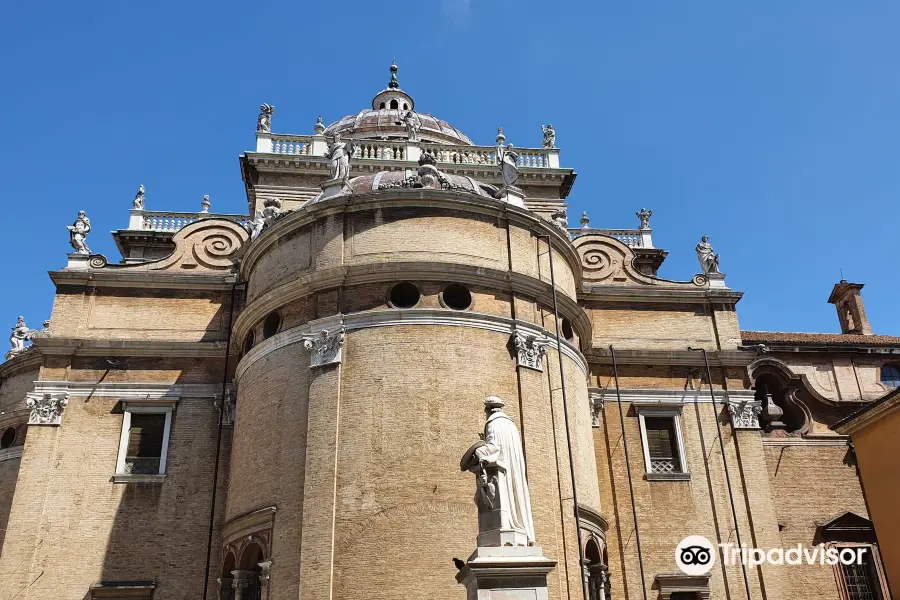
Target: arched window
{"type": "Point", "coordinates": [394, 104]}
{"type": "Point", "coordinates": [890, 376]}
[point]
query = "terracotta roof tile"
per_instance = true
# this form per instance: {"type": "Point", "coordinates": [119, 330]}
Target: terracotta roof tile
{"type": "Point", "coordinates": [838, 339]}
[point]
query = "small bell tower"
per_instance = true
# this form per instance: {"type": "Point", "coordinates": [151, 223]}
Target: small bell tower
{"type": "Point", "coordinates": [847, 298]}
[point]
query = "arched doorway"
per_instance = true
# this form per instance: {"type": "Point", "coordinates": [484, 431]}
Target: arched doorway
{"type": "Point", "coordinates": [226, 589]}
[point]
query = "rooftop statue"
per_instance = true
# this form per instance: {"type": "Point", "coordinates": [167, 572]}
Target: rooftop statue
{"type": "Point", "coordinates": [265, 217]}
{"type": "Point", "coordinates": [138, 203]}
{"type": "Point", "coordinates": [507, 159]}
{"type": "Point", "coordinates": [319, 127]}
{"type": "Point", "coordinates": [413, 125]}
{"type": "Point", "coordinates": [644, 215]}
{"type": "Point", "coordinates": [339, 153]}
{"type": "Point", "coordinates": [549, 140]}
{"type": "Point", "coordinates": [20, 333]}
{"type": "Point", "coordinates": [502, 497]}
{"type": "Point", "coordinates": [709, 261]}
{"type": "Point", "coordinates": [561, 219]}
{"type": "Point", "coordinates": [264, 120]}
{"type": "Point", "coordinates": [78, 231]}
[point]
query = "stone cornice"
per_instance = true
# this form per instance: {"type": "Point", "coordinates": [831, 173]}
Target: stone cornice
{"type": "Point", "coordinates": [421, 271]}
{"type": "Point", "coordinates": [26, 361]}
{"type": "Point", "coordinates": [410, 316]}
{"type": "Point", "coordinates": [663, 397]}
{"type": "Point", "coordinates": [656, 294]}
{"type": "Point", "coordinates": [110, 277]}
{"type": "Point", "coordinates": [834, 440]}
{"type": "Point", "coordinates": [402, 198]}
{"type": "Point", "coordinates": [600, 355]}
{"type": "Point", "coordinates": [131, 390]}
{"type": "Point", "coordinates": [74, 346]}
{"type": "Point", "coordinates": [11, 453]}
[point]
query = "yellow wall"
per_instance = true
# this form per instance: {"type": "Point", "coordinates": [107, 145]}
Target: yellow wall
{"type": "Point", "coordinates": [876, 452]}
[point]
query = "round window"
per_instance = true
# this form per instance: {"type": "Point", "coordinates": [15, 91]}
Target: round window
{"type": "Point", "coordinates": [271, 325]}
{"type": "Point", "coordinates": [404, 295]}
{"type": "Point", "coordinates": [8, 437]}
{"type": "Point", "coordinates": [457, 297]}
{"type": "Point", "coordinates": [567, 329]}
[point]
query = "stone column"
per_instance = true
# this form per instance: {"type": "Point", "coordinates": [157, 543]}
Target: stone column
{"type": "Point", "coordinates": [243, 584]}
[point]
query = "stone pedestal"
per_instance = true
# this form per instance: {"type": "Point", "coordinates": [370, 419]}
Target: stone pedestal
{"type": "Point", "coordinates": [333, 187]}
{"type": "Point", "coordinates": [716, 281]}
{"type": "Point", "coordinates": [512, 195]}
{"type": "Point", "coordinates": [506, 573]}
{"type": "Point", "coordinates": [78, 261]}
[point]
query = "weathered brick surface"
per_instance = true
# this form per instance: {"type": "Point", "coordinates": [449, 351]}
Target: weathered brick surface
{"type": "Point", "coordinates": [75, 528]}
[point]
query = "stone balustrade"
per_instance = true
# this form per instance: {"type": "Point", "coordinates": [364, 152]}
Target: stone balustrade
{"type": "Point", "coordinates": [317, 145]}
{"type": "Point", "coordinates": [159, 220]}
{"type": "Point", "coordinates": [379, 150]}
{"type": "Point", "coordinates": [633, 238]}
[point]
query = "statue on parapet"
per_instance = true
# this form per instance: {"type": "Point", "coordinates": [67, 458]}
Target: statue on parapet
{"type": "Point", "coordinates": [264, 120]}
{"type": "Point", "coordinates": [265, 217]}
{"type": "Point", "coordinates": [507, 159]}
{"type": "Point", "coordinates": [561, 219]}
{"type": "Point", "coordinates": [339, 154]}
{"type": "Point", "coordinates": [709, 260]}
{"type": "Point", "coordinates": [501, 493]}
{"type": "Point", "coordinates": [20, 334]}
{"type": "Point", "coordinates": [78, 232]}
{"type": "Point", "coordinates": [413, 125]}
{"type": "Point", "coordinates": [138, 202]}
{"type": "Point", "coordinates": [549, 140]}
{"type": "Point", "coordinates": [644, 215]}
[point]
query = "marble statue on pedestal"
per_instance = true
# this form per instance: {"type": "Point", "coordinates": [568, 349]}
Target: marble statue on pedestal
{"type": "Point", "coordinates": [138, 203]}
{"type": "Point", "coordinates": [502, 497]}
{"type": "Point", "coordinates": [709, 260]}
{"type": "Point", "coordinates": [644, 215]}
{"type": "Point", "coordinates": [508, 159]}
{"type": "Point", "coordinates": [264, 120]}
{"type": "Point", "coordinates": [549, 140]}
{"type": "Point", "coordinates": [339, 154]}
{"type": "Point", "coordinates": [78, 231]}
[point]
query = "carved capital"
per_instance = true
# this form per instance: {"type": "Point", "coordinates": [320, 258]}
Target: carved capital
{"type": "Point", "coordinates": [744, 415]}
{"type": "Point", "coordinates": [226, 407]}
{"type": "Point", "coordinates": [325, 348]}
{"type": "Point", "coordinates": [46, 409]}
{"type": "Point", "coordinates": [596, 408]}
{"type": "Point", "coordinates": [530, 350]}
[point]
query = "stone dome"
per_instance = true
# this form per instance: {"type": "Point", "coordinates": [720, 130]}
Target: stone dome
{"type": "Point", "coordinates": [391, 108]}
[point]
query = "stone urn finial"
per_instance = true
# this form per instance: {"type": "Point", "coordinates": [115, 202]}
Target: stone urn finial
{"type": "Point", "coordinates": [319, 127]}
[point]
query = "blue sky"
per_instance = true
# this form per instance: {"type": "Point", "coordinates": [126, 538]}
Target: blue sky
{"type": "Point", "coordinates": [770, 126]}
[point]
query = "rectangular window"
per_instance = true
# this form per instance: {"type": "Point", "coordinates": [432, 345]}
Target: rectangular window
{"type": "Point", "coordinates": [145, 439]}
{"type": "Point", "coordinates": [143, 447]}
{"type": "Point", "coordinates": [861, 580]}
{"type": "Point", "coordinates": [663, 443]}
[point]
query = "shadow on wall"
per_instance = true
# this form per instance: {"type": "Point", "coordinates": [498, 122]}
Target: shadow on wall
{"type": "Point", "coordinates": [160, 528]}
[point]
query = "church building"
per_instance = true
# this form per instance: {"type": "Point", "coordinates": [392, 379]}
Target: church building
{"type": "Point", "coordinates": [407, 373]}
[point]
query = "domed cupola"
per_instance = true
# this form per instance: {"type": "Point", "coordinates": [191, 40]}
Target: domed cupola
{"type": "Point", "coordinates": [393, 116]}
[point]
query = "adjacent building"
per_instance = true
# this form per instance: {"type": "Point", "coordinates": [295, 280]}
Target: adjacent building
{"type": "Point", "coordinates": [274, 405]}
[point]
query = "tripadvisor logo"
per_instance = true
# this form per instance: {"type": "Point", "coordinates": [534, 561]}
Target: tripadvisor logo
{"type": "Point", "coordinates": [696, 555]}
